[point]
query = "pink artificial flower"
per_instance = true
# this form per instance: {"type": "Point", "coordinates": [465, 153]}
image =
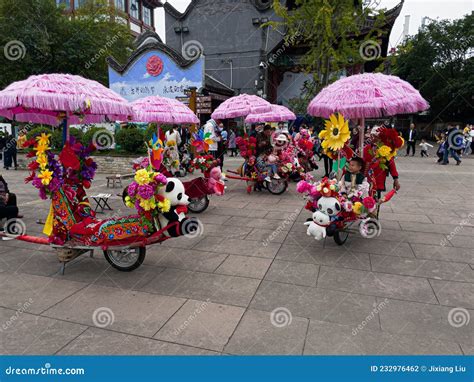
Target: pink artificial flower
{"type": "Point", "coordinates": [369, 203]}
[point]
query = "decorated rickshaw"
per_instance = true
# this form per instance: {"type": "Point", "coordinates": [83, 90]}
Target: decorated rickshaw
{"type": "Point", "coordinates": [72, 227]}
{"type": "Point", "coordinates": [336, 212]}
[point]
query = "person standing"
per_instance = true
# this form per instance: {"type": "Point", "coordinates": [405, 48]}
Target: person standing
{"type": "Point", "coordinates": [211, 128]}
{"type": "Point", "coordinates": [424, 148]}
{"type": "Point", "coordinates": [411, 139]}
{"type": "Point", "coordinates": [8, 204]}
{"type": "Point", "coordinates": [232, 143]}
{"type": "Point", "coordinates": [450, 147]}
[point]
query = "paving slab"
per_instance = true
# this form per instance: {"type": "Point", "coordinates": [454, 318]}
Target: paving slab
{"type": "Point", "coordinates": [202, 324]}
{"type": "Point", "coordinates": [328, 338]}
{"type": "Point", "coordinates": [454, 293]}
{"type": "Point", "coordinates": [240, 247]}
{"type": "Point", "coordinates": [261, 332]}
{"type": "Point", "coordinates": [24, 333]}
{"type": "Point", "coordinates": [95, 341]}
{"type": "Point", "coordinates": [245, 266]}
{"type": "Point", "coordinates": [130, 312]}
{"type": "Point", "coordinates": [293, 273]}
{"type": "Point", "coordinates": [378, 284]}
{"type": "Point", "coordinates": [320, 304]}
{"type": "Point", "coordinates": [223, 289]}
{"type": "Point", "coordinates": [41, 292]}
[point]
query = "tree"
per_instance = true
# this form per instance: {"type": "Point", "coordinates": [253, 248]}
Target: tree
{"type": "Point", "coordinates": [39, 37]}
{"type": "Point", "coordinates": [330, 31]}
{"type": "Point", "coordinates": [439, 62]}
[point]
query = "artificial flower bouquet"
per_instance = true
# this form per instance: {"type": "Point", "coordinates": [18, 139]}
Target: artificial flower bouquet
{"type": "Point", "coordinates": [204, 163]}
{"type": "Point", "coordinates": [247, 146]}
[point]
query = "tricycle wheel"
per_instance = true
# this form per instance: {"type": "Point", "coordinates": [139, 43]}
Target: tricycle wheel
{"type": "Point", "coordinates": [276, 186]}
{"type": "Point", "coordinates": [127, 259]}
{"type": "Point", "coordinates": [340, 237]}
{"type": "Point", "coordinates": [198, 205]}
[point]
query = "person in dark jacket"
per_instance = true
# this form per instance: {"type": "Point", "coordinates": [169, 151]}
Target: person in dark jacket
{"type": "Point", "coordinates": [411, 139]}
{"type": "Point", "coordinates": [8, 204]}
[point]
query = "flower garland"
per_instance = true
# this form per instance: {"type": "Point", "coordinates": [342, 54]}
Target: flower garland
{"type": "Point", "coordinates": [46, 173]}
{"type": "Point", "coordinates": [203, 162]}
{"type": "Point", "coordinates": [247, 146]}
{"type": "Point", "coordinates": [143, 192]}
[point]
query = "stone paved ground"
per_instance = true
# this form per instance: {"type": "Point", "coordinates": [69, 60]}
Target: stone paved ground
{"type": "Point", "coordinates": [409, 291]}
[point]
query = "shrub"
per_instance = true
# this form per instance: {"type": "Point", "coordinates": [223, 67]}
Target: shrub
{"type": "Point", "coordinates": [57, 136]}
{"type": "Point", "coordinates": [89, 134]}
{"type": "Point", "coordinates": [37, 131]}
{"type": "Point", "coordinates": [131, 140]}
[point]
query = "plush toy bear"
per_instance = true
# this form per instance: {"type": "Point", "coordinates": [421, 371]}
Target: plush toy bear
{"type": "Point", "coordinates": [215, 183]}
{"type": "Point", "coordinates": [317, 227]}
{"type": "Point", "coordinates": [174, 191]}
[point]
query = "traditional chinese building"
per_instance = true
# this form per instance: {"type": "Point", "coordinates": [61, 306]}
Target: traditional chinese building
{"type": "Point", "coordinates": [138, 14]}
{"type": "Point", "coordinates": [242, 54]}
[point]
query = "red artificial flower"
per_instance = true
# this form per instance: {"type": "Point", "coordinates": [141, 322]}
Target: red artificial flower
{"type": "Point", "coordinates": [28, 179]}
{"type": "Point", "coordinates": [86, 184]}
{"type": "Point", "coordinates": [390, 138]}
{"type": "Point", "coordinates": [31, 154]}
{"type": "Point", "coordinates": [33, 166]}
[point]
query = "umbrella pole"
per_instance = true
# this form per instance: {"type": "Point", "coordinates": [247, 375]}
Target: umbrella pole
{"type": "Point", "coordinates": [65, 130]}
{"type": "Point", "coordinates": [361, 137]}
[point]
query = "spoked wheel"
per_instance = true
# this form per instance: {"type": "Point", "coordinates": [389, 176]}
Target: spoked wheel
{"type": "Point", "coordinates": [198, 205]}
{"type": "Point", "coordinates": [276, 186]}
{"type": "Point", "coordinates": [127, 259]}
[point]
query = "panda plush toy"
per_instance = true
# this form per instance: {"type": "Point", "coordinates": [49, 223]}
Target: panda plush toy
{"type": "Point", "coordinates": [174, 191]}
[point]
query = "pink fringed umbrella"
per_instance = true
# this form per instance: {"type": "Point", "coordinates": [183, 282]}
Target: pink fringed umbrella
{"type": "Point", "coordinates": [369, 95]}
{"type": "Point", "coordinates": [277, 114]}
{"type": "Point", "coordinates": [52, 98]}
{"type": "Point", "coordinates": [162, 110]}
{"type": "Point", "coordinates": [241, 106]}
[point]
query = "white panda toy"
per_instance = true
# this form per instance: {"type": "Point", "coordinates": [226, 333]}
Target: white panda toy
{"type": "Point", "coordinates": [329, 206]}
{"type": "Point", "coordinates": [174, 191]}
{"type": "Point", "coordinates": [317, 227]}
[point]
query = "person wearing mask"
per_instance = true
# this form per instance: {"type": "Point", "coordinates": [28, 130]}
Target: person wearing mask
{"type": "Point", "coordinates": [411, 139]}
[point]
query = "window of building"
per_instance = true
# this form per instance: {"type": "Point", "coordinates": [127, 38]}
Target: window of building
{"type": "Point", "coordinates": [63, 2]}
{"type": "Point", "coordinates": [79, 3]}
{"type": "Point", "coordinates": [147, 16]}
{"type": "Point", "coordinates": [134, 9]}
{"type": "Point", "coordinates": [120, 5]}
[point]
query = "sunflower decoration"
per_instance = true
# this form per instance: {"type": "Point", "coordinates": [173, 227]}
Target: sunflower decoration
{"type": "Point", "coordinates": [336, 133]}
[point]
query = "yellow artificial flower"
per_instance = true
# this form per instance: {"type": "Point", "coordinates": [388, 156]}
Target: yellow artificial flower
{"type": "Point", "coordinates": [42, 160]}
{"type": "Point", "coordinates": [148, 204]}
{"type": "Point", "coordinates": [45, 177]}
{"type": "Point", "coordinates": [357, 208]}
{"type": "Point", "coordinates": [41, 148]}
{"type": "Point", "coordinates": [384, 151]}
{"type": "Point", "coordinates": [336, 132]}
{"type": "Point", "coordinates": [43, 139]}
{"type": "Point", "coordinates": [142, 177]}
{"type": "Point", "coordinates": [171, 143]}
{"type": "Point", "coordinates": [128, 202]}
{"type": "Point", "coordinates": [165, 205]}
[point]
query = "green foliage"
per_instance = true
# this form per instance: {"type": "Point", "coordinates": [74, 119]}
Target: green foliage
{"type": "Point", "coordinates": [150, 130]}
{"type": "Point", "coordinates": [48, 41]}
{"type": "Point", "coordinates": [330, 31]}
{"type": "Point", "coordinates": [57, 137]}
{"type": "Point", "coordinates": [89, 134]}
{"type": "Point", "coordinates": [37, 131]}
{"type": "Point", "coordinates": [131, 140]}
{"type": "Point", "coordinates": [439, 62]}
